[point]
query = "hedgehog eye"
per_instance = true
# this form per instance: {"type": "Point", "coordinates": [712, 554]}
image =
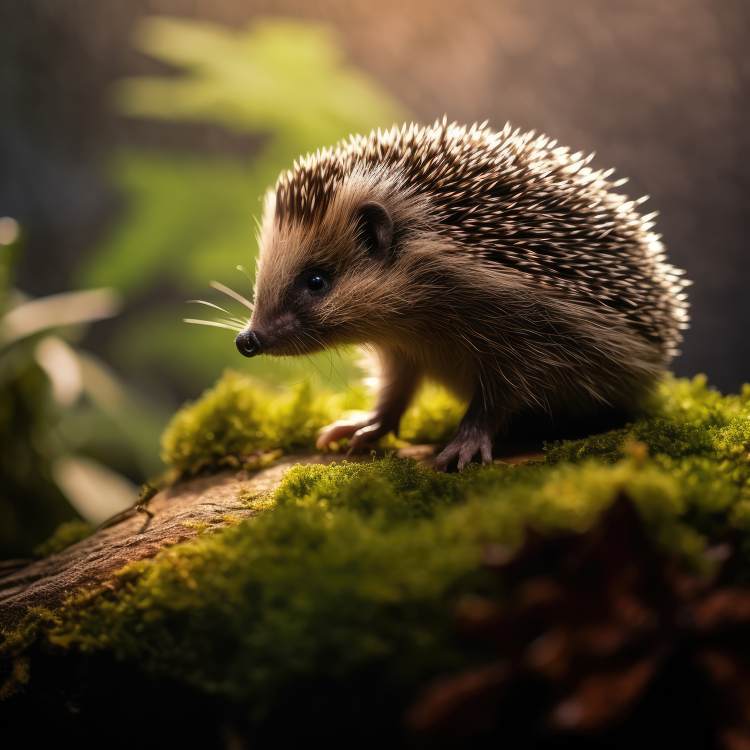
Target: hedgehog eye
{"type": "Point", "coordinates": [316, 281]}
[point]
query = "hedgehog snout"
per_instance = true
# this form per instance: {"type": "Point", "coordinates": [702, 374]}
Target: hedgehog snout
{"type": "Point", "coordinates": [248, 344]}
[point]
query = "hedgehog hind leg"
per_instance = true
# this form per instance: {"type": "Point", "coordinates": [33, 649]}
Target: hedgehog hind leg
{"type": "Point", "coordinates": [473, 437]}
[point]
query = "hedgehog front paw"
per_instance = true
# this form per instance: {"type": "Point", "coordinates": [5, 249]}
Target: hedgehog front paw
{"type": "Point", "coordinates": [368, 433]}
{"type": "Point", "coordinates": [359, 434]}
{"type": "Point", "coordinates": [335, 432]}
{"type": "Point", "coordinates": [465, 445]}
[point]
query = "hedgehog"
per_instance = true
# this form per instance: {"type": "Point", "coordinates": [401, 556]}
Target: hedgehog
{"type": "Point", "coordinates": [496, 263]}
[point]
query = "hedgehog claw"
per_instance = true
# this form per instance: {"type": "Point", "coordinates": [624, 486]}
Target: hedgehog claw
{"type": "Point", "coordinates": [359, 434]}
{"type": "Point", "coordinates": [368, 433]}
{"type": "Point", "coordinates": [465, 447]}
{"type": "Point", "coordinates": [335, 432]}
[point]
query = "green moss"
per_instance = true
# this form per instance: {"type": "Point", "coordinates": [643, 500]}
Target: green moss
{"type": "Point", "coordinates": [239, 418]}
{"type": "Point", "coordinates": [65, 535]}
{"type": "Point", "coordinates": [240, 422]}
{"type": "Point", "coordinates": [695, 402]}
{"type": "Point", "coordinates": [431, 418]}
{"type": "Point", "coordinates": [358, 564]}
{"type": "Point", "coordinates": [389, 490]}
{"type": "Point", "coordinates": [147, 493]}
{"type": "Point", "coordinates": [199, 526]}
{"type": "Point", "coordinates": [255, 500]}
{"type": "Point", "coordinates": [684, 418]}
{"type": "Point", "coordinates": [38, 621]}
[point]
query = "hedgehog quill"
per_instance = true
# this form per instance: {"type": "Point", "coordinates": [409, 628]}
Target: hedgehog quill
{"type": "Point", "coordinates": [495, 263]}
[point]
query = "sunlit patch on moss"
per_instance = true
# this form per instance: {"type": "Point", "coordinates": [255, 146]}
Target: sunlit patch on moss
{"type": "Point", "coordinates": [199, 526]}
{"type": "Point", "coordinates": [256, 500]}
{"type": "Point", "coordinates": [432, 417]}
{"type": "Point", "coordinates": [240, 418]}
{"type": "Point", "coordinates": [694, 401]}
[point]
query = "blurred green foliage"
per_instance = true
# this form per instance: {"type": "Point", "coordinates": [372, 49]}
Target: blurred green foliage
{"type": "Point", "coordinates": [58, 402]}
{"type": "Point", "coordinates": [26, 486]}
{"type": "Point", "coordinates": [192, 218]}
{"type": "Point", "coordinates": [282, 77]}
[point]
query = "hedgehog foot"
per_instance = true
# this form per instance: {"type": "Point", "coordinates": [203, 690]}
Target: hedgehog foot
{"type": "Point", "coordinates": [359, 434]}
{"type": "Point", "coordinates": [465, 445]}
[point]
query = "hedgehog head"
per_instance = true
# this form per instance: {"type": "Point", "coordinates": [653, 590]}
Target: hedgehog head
{"type": "Point", "coordinates": [334, 267]}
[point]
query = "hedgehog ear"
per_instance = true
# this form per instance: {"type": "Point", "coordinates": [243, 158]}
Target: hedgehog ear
{"type": "Point", "coordinates": [375, 228]}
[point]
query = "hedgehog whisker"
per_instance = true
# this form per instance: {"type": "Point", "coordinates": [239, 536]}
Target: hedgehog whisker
{"type": "Point", "coordinates": [213, 323]}
{"type": "Point", "coordinates": [237, 321]}
{"type": "Point", "coordinates": [307, 357]}
{"type": "Point", "coordinates": [307, 377]}
{"type": "Point", "coordinates": [317, 340]}
{"type": "Point", "coordinates": [331, 367]}
{"type": "Point", "coordinates": [329, 353]}
{"type": "Point", "coordinates": [246, 272]}
{"type": "Point", "coordinates": [240, 325]}
{"type": "Point", "coordinates": [344, 378]}
{"type": "Point", "coordinates": [208, 304]}
{"type": "Point", "coordinates": [233, 294]}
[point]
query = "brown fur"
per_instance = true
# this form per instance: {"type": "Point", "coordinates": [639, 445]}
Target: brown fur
{"type": "Point", "coordinates": [515, 276]}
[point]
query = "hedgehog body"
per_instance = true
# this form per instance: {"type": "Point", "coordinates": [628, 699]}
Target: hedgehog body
{"type": "Point", "coordinates": [495, 263]}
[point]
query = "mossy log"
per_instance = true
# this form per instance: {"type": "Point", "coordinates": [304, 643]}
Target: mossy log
{"type": "Point", "coordinates": [174, 515]}
{"type": "Point", "coordinates": [341, 586]}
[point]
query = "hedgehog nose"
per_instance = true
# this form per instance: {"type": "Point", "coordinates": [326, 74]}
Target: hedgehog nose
{"type": "Point", "coordinates": [247, 344]}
